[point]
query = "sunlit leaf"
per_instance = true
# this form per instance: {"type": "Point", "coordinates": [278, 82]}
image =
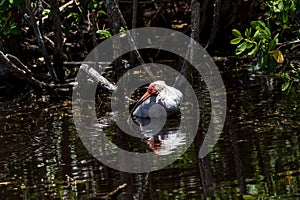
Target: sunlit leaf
{"type": "Point", "coordinates": [249, 197]}
{"type": "Point", "coordinates": [104, 34]}
{"type": "Point", "coordinates": [241, 48]}
{"type": "Point", "coordinates": [261, 23]}
{"type": "Point", "coordinates": [253, 51]}
{"type": "Point", "coordinates": [2, 2]}
{"type": "Point", "coordinates": [249, 45]}
{"type": "Point", "coordinates": [276, 9]}
{"type": "Point", "coordinates": [236, 33]}
{"type": "Point", "coordinates": [102, 12]}
{"type": "Point", "coordinates": [280, 5]}
{"type": "Point", "coordinates": [267, 31]}
{"type": "Point", "coordinates": [256, 34]}
{"type": "Point", "coordinates": [276, 38]}
{"type": "Point", "coordinates": [272, 45]}
{"type": "Point", "coordinates": [287, 81]}
{"type": "Point", "coordinates": [278, 56]}
{"type": "Point", "coordinates": [46, 11]}
{"type": "Point", "coordinates": [248, 32]}
{"type": "Point", "coordinates": [236, 40]}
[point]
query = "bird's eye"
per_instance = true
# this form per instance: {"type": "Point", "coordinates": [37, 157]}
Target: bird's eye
{"type": "Point", "coordinates": [151, 89]}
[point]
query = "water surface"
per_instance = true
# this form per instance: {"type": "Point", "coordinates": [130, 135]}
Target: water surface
{"type": "Point", "coordinates": [256, 157]}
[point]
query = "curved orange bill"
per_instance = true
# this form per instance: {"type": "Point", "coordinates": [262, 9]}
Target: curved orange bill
{"type": "Point", "coordinates": [141, 100]}
{"type": "Point", "coordinates": [144, 97]}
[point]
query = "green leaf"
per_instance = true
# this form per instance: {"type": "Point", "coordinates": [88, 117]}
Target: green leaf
{"type": "Point", "coordinates": [276, 38]}
{"type": "Point", "coordinates": [46, 11]}
{"type": "Point", "coordinates": [254, 24]}
{"type": "Point", "coordinates": [276, 9]}
{"type": "Point", "coordinates": [285, 17]}
{"type": "Point", "coordinates": [262, 23]}
{"type": "Point", "coordinates": [102, 12]}
{"type": "Point", "coordinates": [287, 81]}
{"type": "Point", "coordinates": [236, 33]}
{"type": "Point", "coordinates": [249, 45]}
{"type": "Point", "coordinates": [261, 36]}
{"type": "Point", "coordinates": [272, 45]}
{"type": "Point", "coordinates": [264, 61]}
{"type": "Point", "coordinates": [298, 74]}
{"type": "Point", "coordinates": [235, 40]}
{"type": "Point", "coordinates": [256, 34]}
{"type": "Point", "coordinates": [280, 5]}
{"type": "Point", "coordinates": [267, 32]}
{"type": "Point", "coordinates": [253, 51]}
{"type": "Point", "coordinates": [104, 34]}
{"type": "Point", "coordinates": [248, 32]}
{"type": "Point", "coordinates": [122, 30]}
{"type": "Point", "coordinates": [241, 48]}
{"type": "Point", "coordinates": [2, 2]}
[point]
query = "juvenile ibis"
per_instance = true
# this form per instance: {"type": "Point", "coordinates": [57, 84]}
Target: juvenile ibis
{"type": "Point", "coordinates": [158, 93]}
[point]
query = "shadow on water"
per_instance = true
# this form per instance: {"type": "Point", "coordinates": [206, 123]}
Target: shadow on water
{"type": "Point", "coordinates": [257, 155]}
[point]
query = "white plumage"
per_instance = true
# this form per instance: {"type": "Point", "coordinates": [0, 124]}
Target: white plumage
{"type": "Point", "coordinates": [159, 96]}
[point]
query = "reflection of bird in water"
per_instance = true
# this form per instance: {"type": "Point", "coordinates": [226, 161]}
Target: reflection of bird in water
{"type": "Point", "coordinates": [158, 93]}
{"type": "Point", "coordinates": [165, 142]}
{"type": "Point", "coordinates": [162, 141]}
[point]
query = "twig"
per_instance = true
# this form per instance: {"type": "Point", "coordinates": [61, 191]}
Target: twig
{"type": "Point", "coordinates": [195, 23]}
{"type": "Point", "coordinates": [115, 193]}
{"type": "Point", "coordinates": [215, 25]}
{"type": "Point", "coordinates": [204, 14]}
{"type": "Point", "coordinates": [61, 8]}
{"type": "Point", "coordinates": [134, 13]}
{"type": "Point", "coordinates": [132, 44]}
{"type": "Point", "coordinates": [289, 42]}
{"type": "Point", "coordinates": [133, 25]}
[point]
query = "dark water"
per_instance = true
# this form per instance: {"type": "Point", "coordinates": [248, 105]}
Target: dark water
{"type": "Point", "coordinates": [256, 157]}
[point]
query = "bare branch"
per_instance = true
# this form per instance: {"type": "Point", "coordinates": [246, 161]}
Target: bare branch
{"type": "Point", "coordinates": [132, 44]}
{"type": "Point", "coordinates": [40, 40]}
{"type": "Point", "coordinates": [102, 82]}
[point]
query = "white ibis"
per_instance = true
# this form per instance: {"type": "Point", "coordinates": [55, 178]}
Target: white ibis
{"type": "Point", "coordinates": [158, 93]}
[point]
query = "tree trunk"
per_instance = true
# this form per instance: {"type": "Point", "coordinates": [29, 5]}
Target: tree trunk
{"type": "Point", "coordinates": [58, 55]}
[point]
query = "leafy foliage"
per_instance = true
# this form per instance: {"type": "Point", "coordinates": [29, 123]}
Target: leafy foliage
{"type": "Point", "coordinates": [104, 34]}
{"type": "Point", "coordinates": [282, 12]}
{"type": "Point", "coordinates": [258, 40]}
{"type": "Point", "coordinates": [8, 24]}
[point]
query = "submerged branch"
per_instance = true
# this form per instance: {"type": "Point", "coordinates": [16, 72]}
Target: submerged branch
{"type": "Point", "coordinates": [102, 81]}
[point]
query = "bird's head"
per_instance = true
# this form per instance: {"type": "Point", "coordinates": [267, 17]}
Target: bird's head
{"type": "Point", "coordinates": [153, 89]}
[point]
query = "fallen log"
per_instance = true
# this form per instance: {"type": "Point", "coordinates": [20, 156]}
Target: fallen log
{"type": "Point", "coordinates": [11, 64]}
